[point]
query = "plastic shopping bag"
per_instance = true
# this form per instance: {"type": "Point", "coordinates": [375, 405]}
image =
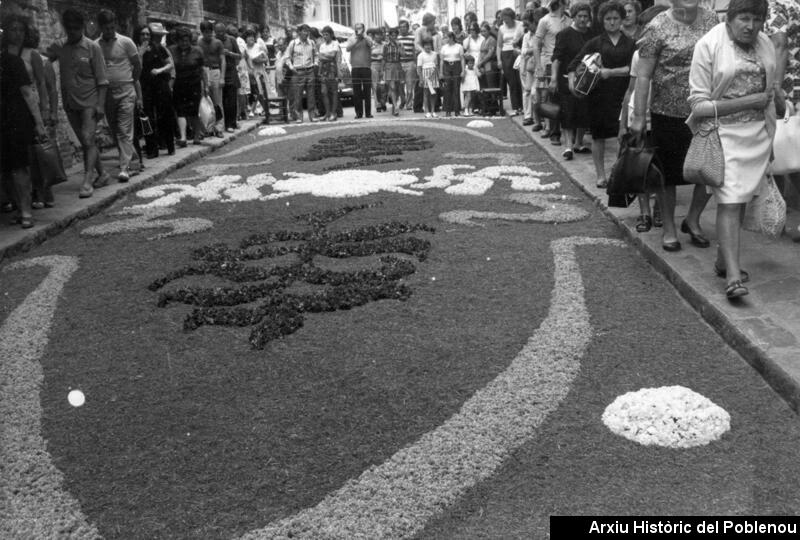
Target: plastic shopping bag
{"type": "Point", "coordinates": [207, 116]}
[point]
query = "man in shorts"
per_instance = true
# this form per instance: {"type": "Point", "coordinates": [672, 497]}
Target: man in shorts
{"type": "Point", "coordinates": [83, 88]}
{"type": "Point", "coordinates": [408, 60]}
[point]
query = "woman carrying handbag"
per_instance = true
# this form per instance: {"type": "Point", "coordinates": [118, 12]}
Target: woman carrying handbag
{"type": "Point", "coordinates": [732, 80]}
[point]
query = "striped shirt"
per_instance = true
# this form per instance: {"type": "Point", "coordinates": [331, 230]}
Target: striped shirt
{"type": "Point", "coordinates": [392, 52]}
{"type": "Point", "coordinates": [407, 41]}
{"type": "Point", "coordinates": [301, 55]}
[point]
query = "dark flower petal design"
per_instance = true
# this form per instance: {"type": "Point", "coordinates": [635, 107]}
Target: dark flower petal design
{"type": "Point", "coordinates": [278, 312]}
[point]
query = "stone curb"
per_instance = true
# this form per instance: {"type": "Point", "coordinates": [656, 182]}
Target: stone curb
{"type": "Point", "coordinates": [142, 180]}
{"type": "Point", "coordinates": [787, 386]}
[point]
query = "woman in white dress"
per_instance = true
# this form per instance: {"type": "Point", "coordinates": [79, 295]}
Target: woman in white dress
{"type": "Point", "coordinates": [733, 77]}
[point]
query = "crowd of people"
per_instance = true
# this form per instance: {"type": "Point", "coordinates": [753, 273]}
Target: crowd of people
{"type": "Point", "coordinates": [665, 67]}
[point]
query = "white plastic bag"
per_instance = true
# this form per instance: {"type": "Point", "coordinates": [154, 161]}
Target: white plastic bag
{"type": "Point", "coordinates": [786, 144]}
{"type": "Point", "coordinates": [207, 117]}
{"type": "Point", "coordinates": [766, 214]}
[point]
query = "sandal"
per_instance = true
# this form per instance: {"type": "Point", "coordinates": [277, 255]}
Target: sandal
{"type": "Point", "coordinates": [26, 222]}
{"type": "Point", "coordinates": [657, 221]}
{"type": "Point", "coordinates": [581, 149]}
{"type": "Point", "coordinates": [37, 205]}
{"type": "Point", "coordinates": [723, 273]}
{"type": "Point", "coordinates": [644, 223]}
{"type": "Point", "coordinates": [735, 290]}
{"type": "Point", "coordinates": [567, 154]}
{"type": "Point", "coordinates": [602, 183]}
{"type": "Point", "coordinates": [85, 192]}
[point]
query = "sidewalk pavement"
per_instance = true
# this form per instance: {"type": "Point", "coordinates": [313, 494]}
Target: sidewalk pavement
{"type": "Point", "coordinates": [69, 208]}
{"type": "Point", "coordinates": [764, 326]}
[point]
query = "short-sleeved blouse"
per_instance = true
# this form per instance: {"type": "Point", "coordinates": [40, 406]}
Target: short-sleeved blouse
{"type": "Point", "coordinates": [472, 47]}
{"type": "Point", "coordinates": [672, 43]}
{"type": "Point", "coordinates": [750, 78]}
{"type": "Point", "coordinates": [188, 65]}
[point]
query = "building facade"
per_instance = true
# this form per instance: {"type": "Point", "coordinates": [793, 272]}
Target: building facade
{"type": "Point", "coordinates": [373, 13]}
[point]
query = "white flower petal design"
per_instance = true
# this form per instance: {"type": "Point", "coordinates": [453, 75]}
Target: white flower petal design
{"type": "Point", "coordinates": [34, 501]}
{"type": "Point", "coordinates": [671, 416]}
{"type": "Point", "coordinates": [272, 131]}
{"type": "Point", "coordinates": [479, 124]}
{"type": "Point", "coordinates": [397, 498]}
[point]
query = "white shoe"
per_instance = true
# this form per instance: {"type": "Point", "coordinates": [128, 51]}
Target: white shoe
{"type": "Point", "coordinates": [435, 115]}
{"type": "Point", "coordinates": [123, 176]}
{"type": "Point", "coordinates": [427, 115]}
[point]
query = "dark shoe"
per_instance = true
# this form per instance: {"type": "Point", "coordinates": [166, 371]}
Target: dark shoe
{"type": "Point", "coordinates": [527, 122]}
{"type": "Point", "coordinates": [671, 246]}
{"type": "Point", "coordinates": [602, 184]}
{"type": "Point", "coordinates": [358, 116]}
{"type": "Point", "coordinates": [7, 208]}
{"type": "Point", "coordinates": [735, 290]}
{"type": "Point", "coordinates": [697, 238]}
{"type": "Point", "coordinates": [644, 223]}
{"type": "Point", "coordinates": [171, 152]}
{"type": "Point", "coordinates": [567, 154]}
{"type": "Point", "coordinates": [101, 181]}
{"type": "Point", "coordinates": [37, 205]}
{"type": "Point", "coordinates": [555, 141]}
{"type": "Point", "coordinates": [26, 222]}
{"type": "Point", "coordinates": [151, 156]}
{"type": "Point", "coordinates": [537, 127]}
{"type": "Point", "coordinates": [86, 192]}
{"type": "Point", "coordinates": [367, 116]}
{"type": "Point", "coordinates": [181, 143]}
{"type": "Point", "coordinates": [582, 150]}
{"type": "Point", "coordinates": [545, 134]}
{"type": "Point", "coordinates": [723, 273]}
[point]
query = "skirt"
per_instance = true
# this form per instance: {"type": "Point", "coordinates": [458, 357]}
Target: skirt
{"type": "Point", "coordinates": [394, 72]}
{"type": "Point", "coordinates": [430, 78]}
{"type": "Point", "coordinates": [671, 137]}
{"type": "Point", "coordinates": [746, 148]}
{"type": "Point", "coordinates": [186, 98]}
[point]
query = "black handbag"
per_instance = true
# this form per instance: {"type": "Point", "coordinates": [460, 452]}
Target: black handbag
{"type": "Point", "coordinates": [548, 109]}
{"type": "Point", "coordinates": [46, 166]}
{"type": "Point", "coordinates": [637, 170]}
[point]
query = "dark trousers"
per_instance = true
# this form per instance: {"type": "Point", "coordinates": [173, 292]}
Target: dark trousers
{"type": "Point", "coordinates": [158, 108]}
{"type": "Point", "coordinates": [451, 88]}
{"type": "Point", "coordinates": [362, 91]}
{"type": "Point", "coordinates": [229, 101]}
{"type": "Point", "coordinates": [511, 77]}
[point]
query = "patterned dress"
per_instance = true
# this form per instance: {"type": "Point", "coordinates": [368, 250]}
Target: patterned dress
{"type": "Point", "coordinates": [784, 16]}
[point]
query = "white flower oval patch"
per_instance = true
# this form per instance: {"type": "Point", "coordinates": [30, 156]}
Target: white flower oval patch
{"type": "Point", "coordinates": [671, 416]}
{"type": "Point", "coordinates": [479, 124]}
{"type": "Point", "coordinates": [272, 131]}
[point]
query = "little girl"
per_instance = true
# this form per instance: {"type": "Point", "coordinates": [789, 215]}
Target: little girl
{"type": "Point", "coordinates": [428, 74]}
{"type": "Point", "coordinates": [469, 85]}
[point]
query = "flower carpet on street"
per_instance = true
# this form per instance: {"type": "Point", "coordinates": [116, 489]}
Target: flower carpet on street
{"type": "Point", "coordinates": [381, 329]}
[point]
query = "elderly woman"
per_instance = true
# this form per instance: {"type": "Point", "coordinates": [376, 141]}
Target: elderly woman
{"type": "Point", "coordinates": [574, 115]}
{"type": "Point", "coordinates": [487, 67]}
{"type": "Point", "coordinates": [732, 77]}
{"type": "Point", "coordinates": [190, 84]}
{"type": "Point", "coordinates": [605, 101]}
{"type": "Point", "coordinates": [665, 52]}
{"type": "Point", "coordinates": [508, 34]}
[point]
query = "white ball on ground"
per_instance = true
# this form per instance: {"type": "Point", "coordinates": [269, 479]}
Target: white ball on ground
{"type": "Point", "coordinates": [76, 398]}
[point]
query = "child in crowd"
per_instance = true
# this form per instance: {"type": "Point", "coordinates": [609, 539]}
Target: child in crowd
{"type": "Point", "coordinates": [469, 84]}
{"type": "Point", "coordinates": [428, 74]}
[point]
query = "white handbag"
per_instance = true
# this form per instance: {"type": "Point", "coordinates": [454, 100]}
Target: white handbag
{"type": "Point", "coordinates": [786, 146]}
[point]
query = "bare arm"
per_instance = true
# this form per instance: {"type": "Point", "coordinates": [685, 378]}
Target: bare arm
{"type": "Point", "coordinates": [41, 86]}
{"type": "Point", "coordinates": [644, 74]}
{"type": "Point", "coordinates": [30, 101]}
{"type": "Point", "coordinates": [136, 62]}
{"type": "Point", "coordinates": [782, 60]}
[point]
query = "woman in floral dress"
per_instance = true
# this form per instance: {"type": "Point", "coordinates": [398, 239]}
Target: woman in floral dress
{"type": "Point", "coordinates": [665, 52]}
{"type": "Point", "coordinates": [733, 77]}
